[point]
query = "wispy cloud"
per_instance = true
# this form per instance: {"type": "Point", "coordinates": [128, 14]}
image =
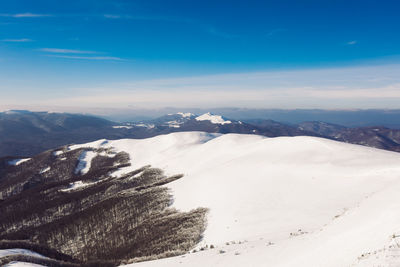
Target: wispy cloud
{"type": "Point", "coordinates": [148, 18]}
{"type": "Point", "coordinates": [78, 54]}
{"type": "Point", "coordinates": [313, 88]}
{"type": "Point", "coordinates": [88, 58]}
{"type": "Point", "coordinates": [66, 51]}
{"type": "Point", "coordinates": [111, 16]}
{"type": "Point", "coordinates": [22, 40]}
{"type": "Point", "coordinates": [352, 42]}
{"type": "Point", "coordinates": [25, 15]}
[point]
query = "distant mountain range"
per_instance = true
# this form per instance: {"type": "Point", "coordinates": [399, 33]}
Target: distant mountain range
{"type": "Point", "coordinates": [349, 118]}
{"type": "Point", "coordinates": [25, 133]}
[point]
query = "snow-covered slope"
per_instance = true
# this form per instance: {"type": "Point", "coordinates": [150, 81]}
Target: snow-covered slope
{"type": "Point", "coordinates": [18, 251]}
{"type": "Point", "coordinates": [216, 119]}
{"type": "Point", "coordinates": [22, 264]}
{"type": "Point", "coordinates": [289, 201]}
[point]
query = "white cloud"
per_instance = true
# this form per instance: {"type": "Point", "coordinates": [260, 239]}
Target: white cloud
{"type": "Point", "coordinates": [22, 40]}
{"type": "Point", "coordinates": [66, 51]}
{"type": "Point", "coordinates": [351, 87]}
{"type": "Point", "coordinates": [89, 58]}
{"type": "Point", "coordinates": [352, 42]}
{"type": "Point", "coordinates": [25, 15]}
{"type": "Point", "coordinates": [77, 54]}
{"type": "Point", "coordinates": [110, 16]}
{"type": "Point", "coordinates": [328, 88]}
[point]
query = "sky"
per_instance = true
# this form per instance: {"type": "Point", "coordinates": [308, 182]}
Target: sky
{"type": "Point", "coordinates": [329, 54]}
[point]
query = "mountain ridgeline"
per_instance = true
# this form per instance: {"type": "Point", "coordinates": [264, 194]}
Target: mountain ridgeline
{"type": "Point", "coordinates": [24, 133]}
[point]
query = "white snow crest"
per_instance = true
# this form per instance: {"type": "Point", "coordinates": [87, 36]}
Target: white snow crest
{"type": "Point", "coordinates": [174, 124]}
{"type": "Point", "coordinates": [185, 115]}
{"type": "Point", "coordinates": [58, 153]}
{"type": "Point", "coordinates": [148, 126]}
{"type": "Point", "coordinates": [17, 162]}
{"type": "Point", "coordinates": [22, 264]}
{"type": "Point", "coordinates": [77, 185]}
{"type": "Point", "coordinates": [122, 127]}
{"type": "Point", "coordinates": [85, 161]}
{"type": "Point", "coordinates": [18, 251]}
{"type": "Point", "coordinates": [44, 170]}
{"type": "Point", "coordinates": [216, 119]}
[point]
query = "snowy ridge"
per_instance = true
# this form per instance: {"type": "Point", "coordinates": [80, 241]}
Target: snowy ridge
{"type": "Point", "coordinates": [148, 126]}
{"type": "Point", "coordinates": [22, 264]}
{"type": "Point", "coordinates": [77, 185]}
{"type": "Point", "coordinates": [312, 201]}
{"type": "Point", "coordinates": [216, 119]}
{"type": "Point", "coordinates": [185, 115]}
{"type": "Point", "coordinates": [174, 124]}
{"type": "Point", "coordinates": [17, 162]}
{"type": "Point", "coordinates": [85, 161]}
{"type": "Point", "coordinates": [18, 251]}
{"type": "Point", "coordinates": [44, 170]}
{"type": "Point", "coordinates": [123, 127]}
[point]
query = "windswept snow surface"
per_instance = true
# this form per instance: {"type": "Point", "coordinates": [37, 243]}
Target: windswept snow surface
{"type": "Point", "coordinates": [290, 201]}
{"type": "Point", "coordinates": [58, 153]}
{"type": "Point", "coordinates": [85, 161]}
{"type": "Point", "coordinates": [22, 264]}
{"type": "Point", "coordinates": [185, 115]}
{"type": "Point", "coordinates": [216, 119]}
{"type": "Point", "coordinates": [17, 162]}
{"type": "Point", "coordinates": [122, 127]}
{"type": "Point", "coordinates": [18, 251]}
{"type": "Point", "coordinates": [149, 126]}
{"type": "Point", "coordinates": [174, 124]}
{"type": "Point", "coordinates": [77, 185]}
{"type": "Point", "coordinates": [44, 170]}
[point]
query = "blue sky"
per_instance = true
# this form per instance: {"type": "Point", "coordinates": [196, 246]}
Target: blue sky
{"type": "Point", "coordinates": [148, 53]}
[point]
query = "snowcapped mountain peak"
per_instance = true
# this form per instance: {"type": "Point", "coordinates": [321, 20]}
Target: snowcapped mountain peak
{"type": "Point", "coordinates": [185, 115]}
{"type": "Point", "coordinates": [216, 119]}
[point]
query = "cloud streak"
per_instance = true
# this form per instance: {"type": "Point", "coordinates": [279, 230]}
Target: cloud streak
{"type": "Point", "coordinates": [22, 40]}
{"type": "Point", "coordinates": [66, 51]}
{"type": "Point", "coordinates": [25, 15]}
{"type": "Point", "coordinates": [111, 16]}
{"type": "Point", "coordinates": [88, 57]}
{"type": "Point", "coordinates": [351, 87]}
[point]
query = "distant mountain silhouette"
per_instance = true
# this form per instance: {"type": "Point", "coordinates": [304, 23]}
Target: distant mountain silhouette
{"type": "Point", "coordinates": [25, 133]}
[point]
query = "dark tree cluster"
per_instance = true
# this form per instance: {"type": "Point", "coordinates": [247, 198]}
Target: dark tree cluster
{"type": "Point", "coordinates": [108, 221]}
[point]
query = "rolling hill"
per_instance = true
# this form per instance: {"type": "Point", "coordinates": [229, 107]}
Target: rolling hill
{"type": "Point", "coordinates": [284, 201]}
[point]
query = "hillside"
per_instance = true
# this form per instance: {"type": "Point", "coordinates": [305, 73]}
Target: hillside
{"type": "Point", "coordinates": [378, 137]}
{"type": "Point", "coordinates": [287, 201]}
{"type": "Point", "coordinates": [287, 196]}
{"type": "Point", "coordinates": [25, 133]}
{"type": "Point", "coordinates": [66, 205]}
